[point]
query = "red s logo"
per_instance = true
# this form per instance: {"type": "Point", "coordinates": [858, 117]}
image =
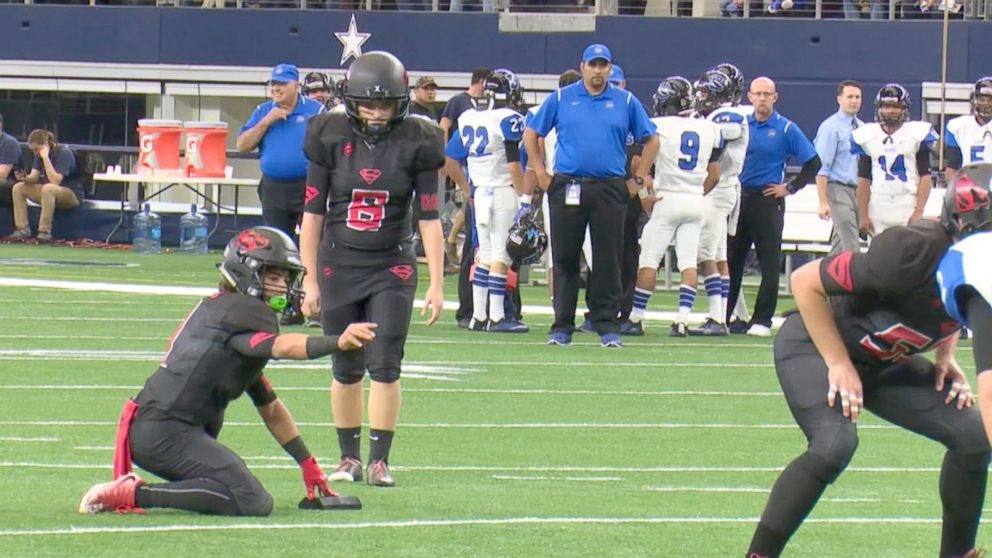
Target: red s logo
{"type": "Point", "coordinates": [839, 269]}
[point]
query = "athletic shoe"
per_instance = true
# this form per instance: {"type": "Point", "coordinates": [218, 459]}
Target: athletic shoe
{"type": "Point", "coordinates": [610, 340]}
{"type": "Point", "coordinates": [628, 327]}
{"type": "Point", "coordinates": [378, 474]}
{"type": "Point", "coordinates": [974, 553]}
{"type": "Point", "coordinates": [586, 326]}
{"type": "Point", "coordinates": [43, 236]}
{"type": "Point", "coordinates": [710, 328]}
{"type": "Point", "coordinates": [478, 325]}
{"type": "Point", "coordinates": [560, 338]}
{"type": "Point", "coordinates": [464, 323]}
{"type": "Point", "coordinates": [679, 329]}
{"type": "Point", "coordinates": [292, 317]}
{"type": "Point", "coordinates": [117, 495]}
{"type": "Point", "coordinates": [507, 326]}
{"type": "Point", "coordinates": [313, 321]}
{"type": "Point", "coordinates": [20, 234]}
{"type": "Point", "coordinates": [758, 330]}
{"type": "Point", "coordinates": [738, 325]}
{"type": "Point", "coordinates": [348, 470]}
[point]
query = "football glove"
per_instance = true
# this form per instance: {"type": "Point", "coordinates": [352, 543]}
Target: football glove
{"type": "Point", "coordinates": [314, 478]}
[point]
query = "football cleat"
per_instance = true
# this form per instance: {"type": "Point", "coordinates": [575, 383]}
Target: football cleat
{"type": "Point", "coordinates": [116, 495]}
{"type": "Point", "coordinates": [378, 474]}
{"type": "Point", "coordinates": [348, 470]}
{"type": "Point", "coordinates": [478, 325]}
{"type": "Point", "coordinates": [679, 329]}
{"type": "Point", "coordinates": [631, 328]}
{"type": "Point", "coordinates": [738, 325]}
{"type": "Point", "coordinates": [507, 326]}
{"type": "Point", "coordinates": [560, 338]}
{"type": "Point", "coordinates": [313, 321]}
{"type": "Point", "coordinates": [610, 340]}
{"type": "Point", "coordinates": [758, 330]}
{"type": "Point", "coordinates": [710, 328]}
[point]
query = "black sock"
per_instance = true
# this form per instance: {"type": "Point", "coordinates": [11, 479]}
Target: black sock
{"type": "Point", "coordinates": [380, 442]}
{"type": "Point", "coordinates": [962, 493]}
{"type": "Point", "coordinates": [350, 442]}
{"type": "Point", "coordinates": [793, 497]}
{"type": "Point", "coordinates": [199, 495]}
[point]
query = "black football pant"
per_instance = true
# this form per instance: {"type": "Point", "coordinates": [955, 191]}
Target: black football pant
{"type": "Point", "coordinates": [203, 475]}
{"type": "Point", "coordinates": [760, 224]}
{"type": "Point", "coordinates": [902, 394]}
{"type": "Point", "coordinates": [602, 207]}
{"type": "Point", "coordinates": [282, 203]}
{"type": "Point", "coordinates": [465, 302]}
{"type": "Point", "coordinates": [631, 254]}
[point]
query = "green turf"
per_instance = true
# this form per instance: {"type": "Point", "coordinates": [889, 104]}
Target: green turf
{"type": "Point", "coordinates": [506, 447]}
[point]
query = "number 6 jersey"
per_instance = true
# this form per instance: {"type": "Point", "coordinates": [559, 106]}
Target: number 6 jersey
{"type": "Point", "coordinates": [366, 191]}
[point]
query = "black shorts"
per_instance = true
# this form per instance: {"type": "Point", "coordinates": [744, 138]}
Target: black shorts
{"type": "Point", "coordinates": [176, 451]}
{"type": "Point", "coordinates": [902, 393]}
{"type": "Point", "coordinates": [382, 295]}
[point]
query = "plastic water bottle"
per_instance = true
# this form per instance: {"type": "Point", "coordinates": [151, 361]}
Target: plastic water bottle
{"type": "Point", "coordinates": [147, 232]}
{"type": "Point", "coordinates": [193, 232]}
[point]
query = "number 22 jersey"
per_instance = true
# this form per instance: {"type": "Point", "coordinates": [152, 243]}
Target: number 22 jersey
{"type": "Point", "coordinates": [369, 193]}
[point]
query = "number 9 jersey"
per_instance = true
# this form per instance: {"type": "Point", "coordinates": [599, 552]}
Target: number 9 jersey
{"type": "Point", "coordinates": [366, 191]}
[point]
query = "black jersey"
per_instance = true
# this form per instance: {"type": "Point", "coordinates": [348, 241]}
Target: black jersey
{"type": "Point", "coordinates": [886, 302]}
{"type": "Point", "coordinates": [367, 191]}
{"type": "Point", "coordinates": [212, 358]}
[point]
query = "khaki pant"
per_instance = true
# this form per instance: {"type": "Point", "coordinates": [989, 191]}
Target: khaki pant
{"type": "Point", "coordinates": [49, 196]}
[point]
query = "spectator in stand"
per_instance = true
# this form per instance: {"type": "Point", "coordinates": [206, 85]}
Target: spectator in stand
{"type": "Point", "coordinates": [53, 183]}
{"type": "Point", "coordinates": [10, 155]}
{"type": "Point", "coordinates": [424, 93]}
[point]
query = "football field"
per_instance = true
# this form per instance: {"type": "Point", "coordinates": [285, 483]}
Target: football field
{"type": "Point", "coordinates": [506, 447]}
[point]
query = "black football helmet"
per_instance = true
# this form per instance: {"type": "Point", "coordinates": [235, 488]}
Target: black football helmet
{"type": "Point", "coordinates": [736, 77]}
{"type": "Point", "coordinates": [981, 99]}
{"type": "Point", "coordinates": [526, 242]}
{"type": "Point", "coordinates": [501, 89]}
{"type": "Point", "coordinates": [966, 201]}
{"type": "Point", "coordinates": [673, 97]}
{"type": "Point", "coordinates": [256, 249]}
{"type": "Point", "coordinates": [712, 90]}
{"type": "Point", "coordinates": [316, 81]}
{"type": "Point", "coordinates": [377, 76]}
{"type": "Point", "coordinates": [889, 95]}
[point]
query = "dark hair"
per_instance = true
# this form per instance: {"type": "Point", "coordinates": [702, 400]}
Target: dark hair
{"type": "Point", "coordinates": [847, 83]}
{"type": "Point", "coordinates": [568, 77]}
{"type": "Point", "coordinates": [39, 136]}
{"type": "Point", "coordinates": [480, 74]}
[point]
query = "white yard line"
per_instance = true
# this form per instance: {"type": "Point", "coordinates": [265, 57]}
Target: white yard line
{"type": "Point", "coordinates": [490, 425]}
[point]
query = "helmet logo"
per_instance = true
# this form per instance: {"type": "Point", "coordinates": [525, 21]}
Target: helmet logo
{"type": "Point", "coordinates": [970, 199]}
{"type": "Point", "coordinates": [250, 240]}
{"type": "Point", "coordinates": [370, 175]}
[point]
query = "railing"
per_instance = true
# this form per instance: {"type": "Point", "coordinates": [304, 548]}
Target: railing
{"type": "Point", "coordinates": [813, 9]}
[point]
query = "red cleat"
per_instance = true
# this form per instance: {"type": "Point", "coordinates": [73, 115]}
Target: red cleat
{"type": "Point", "coordinates": [117, 495]}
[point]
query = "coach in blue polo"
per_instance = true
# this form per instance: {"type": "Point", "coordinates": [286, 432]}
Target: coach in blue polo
{"type": "Point", "coordinates": [593, 119]}
{"type": "Point", "coordinates": [276, 127]}
{"type": "Point", "coordinates": [772, 141]}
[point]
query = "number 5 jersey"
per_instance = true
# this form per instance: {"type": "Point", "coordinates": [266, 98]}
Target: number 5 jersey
{"type": "Point", "coordinates": [371, 192]}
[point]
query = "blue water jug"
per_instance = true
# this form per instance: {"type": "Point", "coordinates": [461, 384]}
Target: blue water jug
{"type": "Point", "coordinates": [147, 232]}
{"type": "Point", "coordinates": [193, 232]}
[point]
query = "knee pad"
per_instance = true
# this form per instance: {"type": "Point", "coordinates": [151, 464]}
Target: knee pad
{"type": "Point", "coordinates": [256, 504]}
{"type": "Point", "coordinates": [832, 450]}
{"type": "Point", "coordinates": [972, 462]}
{"type": "Point", "coordinates": [385, 375]}
{"type": "Point", "coordinates": [348, 376]}
{"type": "Point", "coordinates": [820, 467]}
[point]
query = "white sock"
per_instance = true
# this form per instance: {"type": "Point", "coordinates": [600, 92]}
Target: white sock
{"type": "Point", "coordinates": [480, 293]}
{"type": "Point", "coordinates": [497, 295]}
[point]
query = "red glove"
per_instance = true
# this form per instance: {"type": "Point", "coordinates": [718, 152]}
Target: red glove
{"type": "Point", "coordinates": [313, 477]}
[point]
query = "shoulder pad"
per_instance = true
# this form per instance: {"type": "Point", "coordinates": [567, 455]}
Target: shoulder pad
{"type": "Point", "coordinates": [727, 116]}
{"type": "Point", "coordinates": [966, 264]}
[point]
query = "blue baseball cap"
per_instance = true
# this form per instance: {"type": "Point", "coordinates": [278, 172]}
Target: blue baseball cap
{"type": "Point", "coordinates": [616, 74]}
{"type": "Point", "coordinates": [284, 73]}
{"type": "Point", "coordinates": [595, 51]}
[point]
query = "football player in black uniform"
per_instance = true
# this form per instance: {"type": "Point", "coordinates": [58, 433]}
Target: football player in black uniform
{"type": "Point", "coordinates": [372, 170]}
{"type": "Point", "coordinates": [216, 354]}
{"type": "Point", "coordinates": [854, 344]}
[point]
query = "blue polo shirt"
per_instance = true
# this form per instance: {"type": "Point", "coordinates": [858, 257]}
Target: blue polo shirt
{"type": "Point", "coordinates": [592, 129]}
{"type": "Point", "coordinates": [281, 149]}
{"type": "Point", "coordinates": [770, 145]}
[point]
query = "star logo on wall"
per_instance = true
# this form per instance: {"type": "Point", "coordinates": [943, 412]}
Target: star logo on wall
{"type": "Point", "coordinates": [352, 41]}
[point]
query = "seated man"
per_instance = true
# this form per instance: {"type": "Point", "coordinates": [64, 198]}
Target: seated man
{"type": "Point", "coordinates": [53, 183]}
{"type": "Point", "coordinates": [10, 155]}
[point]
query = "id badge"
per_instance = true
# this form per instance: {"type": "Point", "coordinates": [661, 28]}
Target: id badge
{"type": "Point", "coordinates": [573, 193]}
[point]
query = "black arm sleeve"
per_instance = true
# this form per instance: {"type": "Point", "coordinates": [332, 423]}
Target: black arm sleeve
{"type": "Point", "coordinates": [261, 392]}
{"type": "Point", "coordinates": [718, 152]}
{"type": "Point", "coordinates": [979, 315]}
{"type": "Point", "coordinates": [512, 151]}
{"type": "Point", "coordinates": [425, 195]}
{"type": "Point", "coordinates": [254, 344]}
{"type": "Point", "coordinates": [923, 160]}
{"type": "Point", "coordinates": [806, 175]}
{"type": "Point", "coordinates": [864, 167]}
{"type": "Point", "coordinates": [953, 157]}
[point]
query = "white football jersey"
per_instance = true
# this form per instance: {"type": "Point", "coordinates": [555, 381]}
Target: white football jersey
{"type": "Point", "coordinates": [734, 131]}
{"type": "Point", "coordinates": [966, 264]}
{"type": "Point", "coordinates": [686, 147]}
{"type": "Point", "coordinates": [893, 158]}
{"type": "Point", "coordinates": [483, 132]}
{"type": "Point", "coordinates": [974, 140]}
{"type": "Point", "coordinates": [550, 143]}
